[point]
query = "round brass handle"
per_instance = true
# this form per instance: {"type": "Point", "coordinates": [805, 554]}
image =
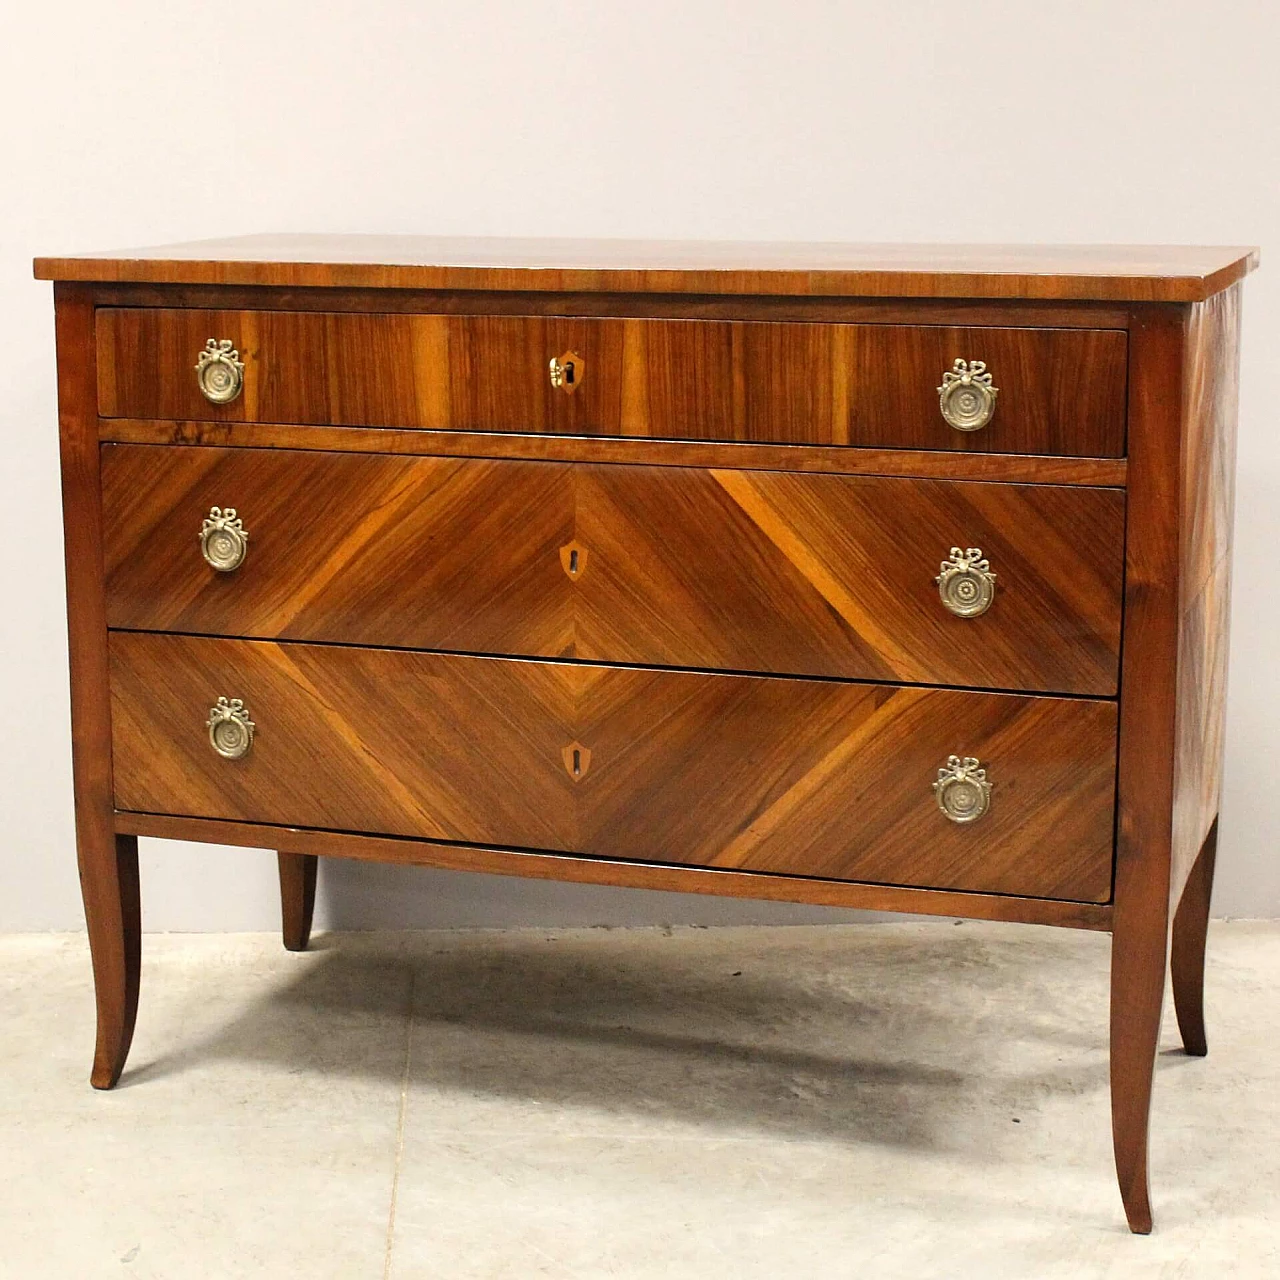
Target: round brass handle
{"type": "Point", "coordinates": [224, 541]}
{"type": "Point", "coordinates": [966, 397]}
{"type": "Point", "coordinates": [220, 371]}
{"type": "Point", "coordinates": [230, 729]}
{"type": "Point", "coordinates": [962, 789]}
{"type": "Point", "coordinates": [966, 584]}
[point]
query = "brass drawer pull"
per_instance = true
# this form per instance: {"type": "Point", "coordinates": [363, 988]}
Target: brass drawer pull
{"type": "Point", "coordinates": [220, 371]}
{"type": "Point", "coordinates": [223, 539]}
{"type": "Point", "coordinates": [966, 584]}
{"type": "Point", "coordinates": [962, 789]}
{"type": "Point", "coordinates": [966, 396]}
{"type": "Point", "coordinates": [567, 372]}
{"type": "Point", "coordinates": [230, 729]}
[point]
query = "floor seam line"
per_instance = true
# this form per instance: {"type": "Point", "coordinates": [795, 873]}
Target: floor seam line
{"type": "Point", "coordinates": [400, 1123]}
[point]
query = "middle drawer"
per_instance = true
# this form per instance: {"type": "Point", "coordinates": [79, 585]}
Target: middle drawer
{"type": "Point", "coordinates": [674, 566]}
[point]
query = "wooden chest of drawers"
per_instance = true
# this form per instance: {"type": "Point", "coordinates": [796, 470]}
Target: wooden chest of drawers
{"type": "Point", "coordinates": [866, 576]}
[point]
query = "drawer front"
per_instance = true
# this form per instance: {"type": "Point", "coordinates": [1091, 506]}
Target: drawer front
{"type": "Point", "coordinates": [804, 777]}
{"type": "Point", "coordinates": [733, 570]}
{"type": "Point", "coordinates": [1058, 391]}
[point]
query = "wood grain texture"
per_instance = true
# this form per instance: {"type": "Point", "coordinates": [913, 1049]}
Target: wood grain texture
{"type": "Point", "coordinates": [108, 862]}
{"type": "Point", "coordinates": [806, 778]}
{"type": "Point", "coordinates": [1100, 272]}
{"type": "Point", "coordinates": [417, 552]}
{"type": "Point", "coordinates": [528, 864]}
{"type": "Point", "coordinates": [750, 571]}
{"type": "Point", "coordinates": [1148, 708]}
{"type": "Point", "coordinates": [1182, 444]}
{"type": "Point", "coordinates": [1204, 593]}
{"type": "Point", "coordinates": [832, 460]}
{"type": "Point", "coordinates": [1061, 391]}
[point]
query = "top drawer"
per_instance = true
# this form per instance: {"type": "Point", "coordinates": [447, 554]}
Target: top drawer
{"type": "Point", "coordinates": [1057, 391]}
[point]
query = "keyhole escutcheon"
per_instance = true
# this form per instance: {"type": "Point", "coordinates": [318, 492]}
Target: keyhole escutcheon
{"type": "Point", "coordinates": [577, 760]}
{"type": "Point", "coordinates": [567, 372]}
{"type": "Point", "coordinates": [573, 559]}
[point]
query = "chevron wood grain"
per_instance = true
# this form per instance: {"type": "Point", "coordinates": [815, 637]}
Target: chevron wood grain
{"type": "Point", "coordinates": [430, 552]}
{"type": "Point", "coordinates": [750, 571]}
{"type": "Point", "coordinates": [1061, 391]}
{"type": "Point", "coordinates": [808, 777]}
{"type": "Point", "coordinates": [835, 575]}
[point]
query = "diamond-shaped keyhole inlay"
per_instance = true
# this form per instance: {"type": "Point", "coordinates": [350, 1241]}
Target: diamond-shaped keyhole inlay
{"type": "Point", "coordinates": [573, 558]}
{"type": "Point", "coordinates": [577, 760]}
{"type": "Point", "coordinates": [567, 372]}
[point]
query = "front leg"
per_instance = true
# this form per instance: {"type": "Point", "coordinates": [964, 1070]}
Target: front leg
{"type": "Point", "coordinates": [1139, 949]}
{"type": "Point", "coordinates": [109, 885]}
{"type": "Point", "coordinates": [108, 862]}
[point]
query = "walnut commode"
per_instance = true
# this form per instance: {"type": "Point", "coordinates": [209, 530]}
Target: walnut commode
{"type": "Point", "coordinates": [875, 576]}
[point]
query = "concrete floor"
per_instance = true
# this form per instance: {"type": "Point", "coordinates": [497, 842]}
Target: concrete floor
{"type": "Point", "coordinates": [917, 1100]}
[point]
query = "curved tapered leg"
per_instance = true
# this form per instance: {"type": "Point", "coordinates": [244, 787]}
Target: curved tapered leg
{"type": "Point", "coordinates": [1190, 925]}
{"type": "Point", "coordinates": [109, 883]}
{"type": "Point", "coordinates": [297, 897]}
{"type": "Point", "coordinates": [108, 862]}
{"type": "Point", "coordinates": [1138, 962]}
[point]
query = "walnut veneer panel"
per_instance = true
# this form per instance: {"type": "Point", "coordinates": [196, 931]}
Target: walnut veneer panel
{"type": "Point", "coordinates": [1061, 391]}
{"type": "Point", "coordinates": [813, 778]}
{"type": "Point", "coordinates": [421, 552]}
{"type": "Point", "coordinates": [1129, 273]}
{"type": "Point", "coordinates": [754, 571]}
{"type": "Point", "coordinates": [1208, 500]}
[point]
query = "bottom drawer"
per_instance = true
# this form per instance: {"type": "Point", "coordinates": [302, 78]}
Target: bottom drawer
{"type": "Point", "coordinates": [807, 777]}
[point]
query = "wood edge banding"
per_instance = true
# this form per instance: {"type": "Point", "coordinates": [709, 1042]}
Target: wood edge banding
{"type": "Point", "coordinates": [582, 870]}
{"type": "Point", "coordinates": [829, 459]}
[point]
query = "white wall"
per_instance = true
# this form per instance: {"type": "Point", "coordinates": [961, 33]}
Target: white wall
{"type": "Point", "coordinates": [156, 120]}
